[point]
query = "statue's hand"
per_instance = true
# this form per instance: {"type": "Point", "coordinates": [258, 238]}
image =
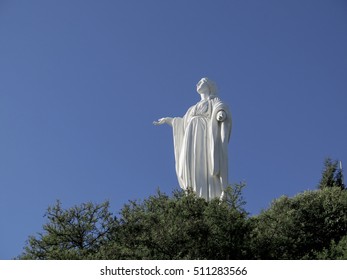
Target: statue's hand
{"type": "Point", "coordinates": [159, 122]}
{"type": "Point", "coordinates": [221, 116]}
{"type": "Point", "coordinates": [162, 121]}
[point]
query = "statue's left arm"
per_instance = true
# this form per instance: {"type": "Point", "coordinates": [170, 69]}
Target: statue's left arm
{"type": "Point", "coordinates": [220, 135]}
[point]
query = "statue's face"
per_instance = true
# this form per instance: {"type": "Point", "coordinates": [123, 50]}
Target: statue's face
{"type": "Point", "coordinates": [202, 87]}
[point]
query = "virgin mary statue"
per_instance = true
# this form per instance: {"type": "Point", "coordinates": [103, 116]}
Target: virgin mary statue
{"type": "Point", "coordinates": [201, 139]}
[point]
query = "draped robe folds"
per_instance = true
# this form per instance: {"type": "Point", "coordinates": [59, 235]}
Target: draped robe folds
{"type": "Point", "coordinates": [201, 148]}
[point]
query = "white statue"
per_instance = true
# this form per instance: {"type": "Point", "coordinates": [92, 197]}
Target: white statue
{"type": "Point", "coordinates": [201, 143]}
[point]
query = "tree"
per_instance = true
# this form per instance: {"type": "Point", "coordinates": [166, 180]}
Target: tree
{"type": "Point", "coordinates": [75, 233]}
{"type": "Point", "coordinates": [160, 227]}
{"type": "Point", "coordinates": [181, 227]}
{"type": "Point", "coordinates": [332, 175]}
{"type": "Point", "coordinates": [299, 227]}
{"type": "Point", "coordinates": [310, 225]}
{"type": "Point", "coordinates": [336, 251]}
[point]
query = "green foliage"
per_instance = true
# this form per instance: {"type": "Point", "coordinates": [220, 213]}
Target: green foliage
{"type": "Point", "coordinates": [181, 227]}
{"type": "Point", "coordinates": [336, 251]}
{"type": "Point", "coordinates": [332, 175]}
{"type": "Point", "coordinates": [233, 196]}
{"type": "Point", "coordinates": [299, 227]}
{"type": "Point", "coordinates": [161, 227]}
{"type": "Point", "coordinates": [310, 225]}
{"type": "Point", "coordinates": [75, 233]}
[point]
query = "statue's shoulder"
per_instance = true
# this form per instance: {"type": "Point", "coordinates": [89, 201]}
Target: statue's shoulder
{"type": "Point", "coordinates": [216, 101]}
{"type": "Point", "coordinates": [218, 104]}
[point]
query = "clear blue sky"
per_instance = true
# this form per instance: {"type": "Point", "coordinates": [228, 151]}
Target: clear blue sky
{"type": "Point", "coordinates": [82, 81]}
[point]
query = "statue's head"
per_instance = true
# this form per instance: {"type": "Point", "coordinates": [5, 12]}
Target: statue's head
{"type": "Point", "coordinates": [206, 86]}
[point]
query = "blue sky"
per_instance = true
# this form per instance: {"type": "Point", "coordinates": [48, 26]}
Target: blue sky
{"type": "Point", "coordinates": [82, 81]}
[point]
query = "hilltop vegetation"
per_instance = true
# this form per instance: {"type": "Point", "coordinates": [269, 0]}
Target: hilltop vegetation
{"type": "Point", "coordinates": [310, 225]}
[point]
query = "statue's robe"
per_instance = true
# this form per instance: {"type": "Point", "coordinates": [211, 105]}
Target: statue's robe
{"type": "Point", "coordinates": [201, 148]}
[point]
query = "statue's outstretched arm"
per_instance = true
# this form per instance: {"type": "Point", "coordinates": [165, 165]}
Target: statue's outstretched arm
{"type": "Point", "coordinates": [161, 121]}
